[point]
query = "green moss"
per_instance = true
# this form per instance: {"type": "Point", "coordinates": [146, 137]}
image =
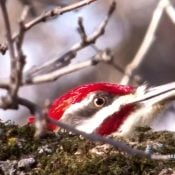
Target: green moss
{"type": "Point", "coordinates": [71, 155]}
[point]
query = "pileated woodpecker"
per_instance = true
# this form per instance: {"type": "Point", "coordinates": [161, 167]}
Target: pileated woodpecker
{"type": "Point", "coordinates": [107, 108]}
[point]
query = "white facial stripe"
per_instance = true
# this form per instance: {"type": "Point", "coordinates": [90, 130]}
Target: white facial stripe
{"type": "Point", "coordinates": [92, 123]}
{"type": "Point", "coordinates": [80, 105]}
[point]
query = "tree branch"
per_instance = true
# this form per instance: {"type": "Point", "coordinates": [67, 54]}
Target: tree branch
{"type": "Point", "coordinates": [66, 58]}
{"type": "Point", "coordinates": [53, 13]}
{"type": "Point", "coordinates": [104, 56]}
{"type": "Point", "coordinates": [8, 30]}
{"type": "Point", "coordinates": [146, 44]}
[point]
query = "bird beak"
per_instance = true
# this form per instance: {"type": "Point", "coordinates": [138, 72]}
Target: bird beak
{"type": "Point", "coordinates": [151, 96]}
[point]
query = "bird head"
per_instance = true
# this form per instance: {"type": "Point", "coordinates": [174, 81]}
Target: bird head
{"type": "Point", "coordinates": [105, 108]}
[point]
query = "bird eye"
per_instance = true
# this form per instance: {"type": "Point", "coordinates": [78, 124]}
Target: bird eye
{"type": "Point", "coordinates": [99, 102]}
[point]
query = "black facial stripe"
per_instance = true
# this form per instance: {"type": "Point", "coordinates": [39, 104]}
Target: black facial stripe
{"type": "Point", "coordinates": [72, 120]}
{"type": "Point", "coordinates": [79, 115]}
{"type": "Point", "coordinates": [89, 110]}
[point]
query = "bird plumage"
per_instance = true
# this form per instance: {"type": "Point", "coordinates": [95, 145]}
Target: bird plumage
{"type": "Point", "coordinates": [107, 108]}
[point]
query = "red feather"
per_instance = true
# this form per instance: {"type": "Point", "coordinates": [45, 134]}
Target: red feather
{"type": "Point", "coordinates": [113, 123]}
{"type": "Point", "coordinates": [77, 94]}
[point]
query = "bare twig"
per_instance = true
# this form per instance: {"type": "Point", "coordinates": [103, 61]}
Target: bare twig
{"type": "Point", "coordinates": [32, 11]}
{"type": "Point", "coordinates": [117, 66]}
{"type": "Point", "coordinates": [20, 57]}
{"type": "Point", "coordinates": [4, 84]}
{"type": "Point", "coordinates": [57, 11]}
{"type": "Point", "coordinates": [3, 48]}
{"type": "Point", "coordinates": [8, 29]}
{"type": "Point", "coordinates": [104, 56]}
{"type": "Point", "coordinates": [30, 105]}
{"type": "Point", "coordinates": [81, 30]}
{"type": "Point", "coordinates": [147, 42]}
{"type": "Point", "coordinates": [170, 10]}
{"type": "Point", "coordinates": [35, 110]}
{"type": "Point", "coordinates": [122, 146]}
{"type": "Point", "coordinates": [68, 56]}
{"type": "Point", "coordinates": [8, 100]}
{"type": "Point", "coordinates": [53, 13]}
{"type": "Point", "coordinates": [9, 38]}
{"type": "Point", "coordinates": [95, 137]}
{"type": "Point", "coordinates": [20, 37]}
{"type": "Point", "coordinates": [42, 18]}
{"type": "Point", "coordinates": [17, 63]}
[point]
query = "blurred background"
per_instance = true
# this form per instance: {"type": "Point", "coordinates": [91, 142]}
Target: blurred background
{"type": "Point", "coordinates": [123, 35]}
